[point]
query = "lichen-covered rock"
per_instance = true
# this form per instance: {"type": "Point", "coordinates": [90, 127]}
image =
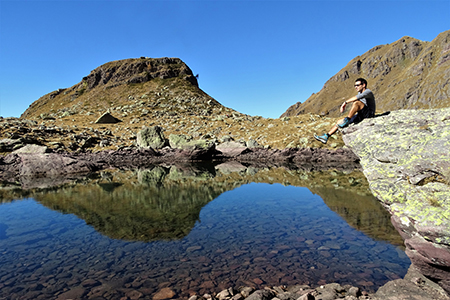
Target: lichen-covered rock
{"type": "Point", "coordinates": [151, 137]}
{"type": "Point", "coordinates": [405, 157]}
{"type": "Point", "coordinates": [194, 149]}
{"type": "Point", "coordinates": [178, 140]}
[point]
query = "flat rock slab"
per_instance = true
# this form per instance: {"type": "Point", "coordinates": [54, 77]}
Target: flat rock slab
{"type": "Point", "coordinates": [232, 149]}
{"type": "Point", "coordinates": [52, 164]}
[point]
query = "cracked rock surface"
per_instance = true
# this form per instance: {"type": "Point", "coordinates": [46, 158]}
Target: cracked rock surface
{"type": "Point", "coordinates": [405, 157]}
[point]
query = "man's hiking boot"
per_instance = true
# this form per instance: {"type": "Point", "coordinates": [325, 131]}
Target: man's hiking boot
{"type": "Point", "coordinates": [323, 138]}
{"type": "Point", "coordinates": [344, 123]}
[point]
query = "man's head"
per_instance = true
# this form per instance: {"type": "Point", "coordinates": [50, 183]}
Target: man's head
{"type": "Point", "coordinates": [360, 84]}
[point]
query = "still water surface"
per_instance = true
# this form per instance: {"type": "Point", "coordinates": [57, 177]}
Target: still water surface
{"type": "Point", "coordinates": [214, 232]}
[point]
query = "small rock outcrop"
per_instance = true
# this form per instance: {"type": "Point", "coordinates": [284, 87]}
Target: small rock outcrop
{"type": "Point", "coordinates": [17, 165]}
{"type": "Point", "coordinates": [107, 118]}
{"type": "Point", "coordinates": [405, 158]}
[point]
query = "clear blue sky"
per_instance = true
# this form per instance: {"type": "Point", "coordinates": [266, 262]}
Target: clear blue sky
{"type": "Point", "coordinates": [258, 57]}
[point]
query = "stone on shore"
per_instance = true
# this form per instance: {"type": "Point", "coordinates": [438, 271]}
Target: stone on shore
{"type": "Point", "coordinates": [31, 149]}
{"type": "Point", "coordinates": [151, 137]}
{"type": "Point", "coordinates": [231, 149]}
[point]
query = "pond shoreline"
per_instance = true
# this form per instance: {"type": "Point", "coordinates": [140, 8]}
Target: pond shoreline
{"type": "Point", "coordinates": [36, 161]}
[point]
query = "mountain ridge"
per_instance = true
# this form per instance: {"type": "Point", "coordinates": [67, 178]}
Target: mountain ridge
{"type": "Point", "coordinates": [406, 74]}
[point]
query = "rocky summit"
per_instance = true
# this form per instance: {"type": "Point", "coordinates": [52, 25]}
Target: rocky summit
{"type": "Point", "coordinates": [128, 89]}
{"type": "Point", "coordinates": [407, 74]}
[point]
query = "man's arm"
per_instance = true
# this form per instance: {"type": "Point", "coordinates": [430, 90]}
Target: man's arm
{"type": "Point", "coordinates": [352, 99]}
{"type": "Point", "coordinates": [364, 94]}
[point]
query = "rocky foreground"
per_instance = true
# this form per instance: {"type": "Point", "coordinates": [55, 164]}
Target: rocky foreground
{"type": "Point", "coordinates": [404, 156]}
{"type": "Point", "coordinates": [414, 286]}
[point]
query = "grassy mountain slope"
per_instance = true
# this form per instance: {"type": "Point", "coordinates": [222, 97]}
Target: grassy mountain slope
{"type": "Point", "coordinates": [130, 88]}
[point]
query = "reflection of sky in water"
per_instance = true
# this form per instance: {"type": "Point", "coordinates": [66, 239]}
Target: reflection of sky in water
{"type": "Point", "coordinates": [255, 234]}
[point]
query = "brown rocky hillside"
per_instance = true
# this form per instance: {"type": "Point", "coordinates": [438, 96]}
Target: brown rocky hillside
{"type": "Point", "coordinates": [146, 92]}
{"type": "Point", "coordinates": [407, 74]}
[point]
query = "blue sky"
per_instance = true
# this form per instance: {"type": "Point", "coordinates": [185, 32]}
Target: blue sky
{"type": "Point", "coordinates": [258, 57]}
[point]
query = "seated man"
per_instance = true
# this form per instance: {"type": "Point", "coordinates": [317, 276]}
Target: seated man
{"type": "Point", "coordinates": [363, 107]}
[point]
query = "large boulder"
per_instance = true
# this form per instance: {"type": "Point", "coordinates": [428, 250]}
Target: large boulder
{"type": "Point", "coordinates": [151, 137]}
{"type": "Point", "coordinates": [405, 157]}
{"type": "Point", "coordinates": [232, 149]}
{"type": "Point", "coordinates": [192, 149]}
{"type": "Point", "coordinates": [183, 142]}
{"type": "Point", "coordinates": [179, 140]}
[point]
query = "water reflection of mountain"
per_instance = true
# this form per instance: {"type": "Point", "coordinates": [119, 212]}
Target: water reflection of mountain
{"type": "Point", "coordinates": [164, 202]}
{"type": "Point", "coordinates": [362, 212]}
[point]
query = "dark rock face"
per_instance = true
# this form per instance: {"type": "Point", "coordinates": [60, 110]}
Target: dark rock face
{"type": "Point", "coordinates": [107, 118]}
{"type": "Point", "coordinates": [405, 159]}
{"type": "Point", "coordinates": [138, 71]}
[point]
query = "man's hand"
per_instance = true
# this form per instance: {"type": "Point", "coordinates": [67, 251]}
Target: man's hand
{"type": "Point", "coordinates": [343, 107]}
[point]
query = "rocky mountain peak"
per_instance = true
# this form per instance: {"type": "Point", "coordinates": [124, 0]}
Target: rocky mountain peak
{"type": "Point", "coordinates": [130, 89]}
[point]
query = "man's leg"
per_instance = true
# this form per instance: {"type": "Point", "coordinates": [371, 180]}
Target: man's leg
{"type": "Point", "coordinates": [335, 127]}
{"type": "Point", "coordinates": [356, 107]}
{"type": "Point", "coordinates": [324, 138]}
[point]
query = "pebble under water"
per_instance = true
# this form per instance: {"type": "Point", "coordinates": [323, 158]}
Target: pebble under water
{"type": "Point", "coordinates": [257, 234]}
